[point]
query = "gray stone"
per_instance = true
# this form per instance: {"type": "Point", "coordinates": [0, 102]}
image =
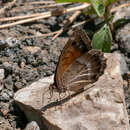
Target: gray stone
{"type": "Point", "coordinates": [45, 56]}
{"type": "Point", "coordinates": [3, 44]}
{"type": "Point", "coordinates": [18, 85]}
{"type": "Point", "coordinates": [6, 95]}
{"type": "Point", "coordinates": [122, 13]}
{"type": "Point", "coordinates": [122, 35]}
{"type": "Point", "coordinates": [12, 42]}
{"type": "Point", "coordinates": [4, 108]}
{"type": "Point", "coordinates": [1, 86]}
{"type": "Point", "coordinates": [100, 107]}
{"type": "Point", "coordinates": [32, 126]}
{"type": "Point", "coordinates": [32, 49]}
{"type": "Point", "coordinates": [4, 124]}
{"type": "Point", "coordinates": [7, 66]}
{"type": "Point", "coordinates": [2, 74]}
{"type": "Point", "coordinates": [123, 66]}
{"type": "Point", "coordinates": [9, 83]}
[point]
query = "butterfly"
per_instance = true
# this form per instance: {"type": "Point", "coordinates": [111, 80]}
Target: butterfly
{"type": "Point", "coordinates": [79, 64]}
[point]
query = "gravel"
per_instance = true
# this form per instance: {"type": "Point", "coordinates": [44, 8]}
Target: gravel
{"type": "Point", "coordinates": [24, 61]}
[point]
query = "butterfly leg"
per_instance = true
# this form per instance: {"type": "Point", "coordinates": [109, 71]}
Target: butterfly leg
{"type": "Point", "coordinates": [69, 93]}
{"type": "Point", "coordinates": [64, 94]}
{"type": "Point", "coordinates": [51, 88]}
{"type": "Point", "coordinates": [60, 99]}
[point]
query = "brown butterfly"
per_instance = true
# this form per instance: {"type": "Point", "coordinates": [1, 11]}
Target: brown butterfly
{"type": "Point", "coordinates": [79, 64]}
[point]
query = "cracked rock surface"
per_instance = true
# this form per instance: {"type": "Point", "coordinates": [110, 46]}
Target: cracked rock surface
{"type": "Point", "coordinates": [100, 107]}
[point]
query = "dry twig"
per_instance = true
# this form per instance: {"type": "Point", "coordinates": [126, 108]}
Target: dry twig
{"type": "Point", "coordinates": [56, 32]}
{"type": "Point", "coordinates": [29, 16]}
{"type": "Point", "coordinates": [48, 6]}
{"type": "Point", "coordinates": [40, 2]}
{"type": "Point", "coordinates": [18, 9]}
{"type": "Point", "coordinates": [51, 5]}
{"type": "Point", "coordinates": [67, 23]}
{"type": "Point", "coordinates": [36, 36]}
{"type": "Point", "coordinates": [120, 6]}
{"type": "Point", "coordinates": [20, 17]}
{"type": "Point", "coordinates": [83, 22]}
{"type": "Point", "coordinates": [72, 18]}
{"type": "Point", "coordinates": [44, 15]}
{"type": "Point", "coordinates": [79, 24]}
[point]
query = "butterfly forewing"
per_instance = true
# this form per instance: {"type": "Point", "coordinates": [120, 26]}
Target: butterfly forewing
{"type": "Point", "coordinates": [78, 44]}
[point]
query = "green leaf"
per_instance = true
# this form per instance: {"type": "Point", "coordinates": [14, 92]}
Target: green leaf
{"type": "Point", "coordinates": [109, 2]}
{"type": "Point", "coordinates": [120, 22]}
{"type": "Point", "coordinates": [98, 5]}
{"type": "Point", "coordinates": [110, 19]}
{"type": "Point", "coordinates": [90, 10]}
{"type": "Point", "coordinates": [73, 1]}
{"type": "Point", "coordinates": [102, 40]}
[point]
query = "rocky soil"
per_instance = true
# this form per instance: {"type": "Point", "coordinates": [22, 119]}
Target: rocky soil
{"type": "Point", "coordinates": [86, 110]}
{"type": "Point", "coordinates": [25, 60]}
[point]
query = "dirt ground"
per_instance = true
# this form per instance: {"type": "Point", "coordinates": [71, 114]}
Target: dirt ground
{"type": "Point", "coordinates": [25, 60]}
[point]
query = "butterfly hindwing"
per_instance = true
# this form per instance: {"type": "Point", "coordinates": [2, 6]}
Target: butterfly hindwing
{"type": "Point", "coordinates": [84, 70]}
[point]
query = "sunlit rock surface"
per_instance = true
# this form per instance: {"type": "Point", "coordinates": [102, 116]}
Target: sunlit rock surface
{"type": "Point", "coordinates": [100, 107]}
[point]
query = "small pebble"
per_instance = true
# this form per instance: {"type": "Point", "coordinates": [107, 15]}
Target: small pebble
{"type": "Point", "coordinates": [2, 74]}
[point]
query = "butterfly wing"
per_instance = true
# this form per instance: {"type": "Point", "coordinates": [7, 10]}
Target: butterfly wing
{"type": "Point", "coordinates": [84, 70]}
{"type": "Point", "coordinates": [77, 45]}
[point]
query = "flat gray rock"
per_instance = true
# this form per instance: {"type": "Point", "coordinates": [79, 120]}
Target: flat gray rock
{"type": "Point", "coordinates": [2, 74]}
{"type": "Point", "coordinates": [122, 34]}
{"type": "Point", "coordinates": [32, 126]}
{"type": "Point", "coordinates": [100, 107]}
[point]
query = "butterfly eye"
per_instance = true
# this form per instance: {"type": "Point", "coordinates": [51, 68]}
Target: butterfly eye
{"type": "Point", "coordinates": [73, 43]}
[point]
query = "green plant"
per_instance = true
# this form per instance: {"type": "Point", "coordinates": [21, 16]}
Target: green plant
{"type": "Point", "coordinates": [102, 39]}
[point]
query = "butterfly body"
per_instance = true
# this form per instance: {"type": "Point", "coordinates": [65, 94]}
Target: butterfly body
{"type": "Point", "coordinates": [78, 64]}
